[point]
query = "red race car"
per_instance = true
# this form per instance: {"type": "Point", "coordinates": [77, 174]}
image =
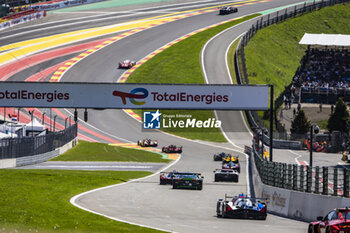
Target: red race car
{"type": "Point", "coordinates": [127, 64]}
{"type": "Point", "coordinates": [172, 149]}
{"type": "Point", "coordinates": [338, 220]}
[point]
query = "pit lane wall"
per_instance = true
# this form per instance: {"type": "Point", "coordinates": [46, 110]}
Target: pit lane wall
{"type": "Point", "coordinates": [293, 204]}
{"type": "Point", "coordinates": [22, 19]}
{"type": "Point", "coordinates": [29, 160]}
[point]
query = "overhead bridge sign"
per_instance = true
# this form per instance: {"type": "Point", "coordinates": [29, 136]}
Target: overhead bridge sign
{"type": "Point", "coordinates": [133, 96]}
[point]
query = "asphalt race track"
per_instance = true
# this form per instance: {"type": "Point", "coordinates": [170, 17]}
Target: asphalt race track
{"type": "Point", "coordinates": [144, 201]}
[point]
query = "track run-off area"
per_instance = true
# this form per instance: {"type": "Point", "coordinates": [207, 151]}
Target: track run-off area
{"type": "Point", "coordinates": [86, 46]}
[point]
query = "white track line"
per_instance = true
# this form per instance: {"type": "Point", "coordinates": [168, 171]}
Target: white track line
{"type": "Point", "coordinates": [74, 199]}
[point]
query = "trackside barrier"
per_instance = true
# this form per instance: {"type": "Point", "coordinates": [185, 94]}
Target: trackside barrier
{"type": "Point", "coordinates": [22, 19]}
{"type": "Point", "coordinates": [63, 4]}
{"type": "Point", "coordinates": [14, 148]}
{"type": "Point", "coordinates": [288, 196]}
{"type": "Point", "coordinates": [28, 160]}
{"type": "Point", "coordinates": [240, 63]}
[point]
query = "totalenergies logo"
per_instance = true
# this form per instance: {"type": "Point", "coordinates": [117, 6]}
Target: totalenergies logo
{"type": "Point", "coordinates": [137, 93]}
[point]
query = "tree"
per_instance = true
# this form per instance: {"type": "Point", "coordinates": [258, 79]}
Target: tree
{"type": "Point", "coordinates": [339, 119]}
{"type": "Point", "coordinates": [300, 124]}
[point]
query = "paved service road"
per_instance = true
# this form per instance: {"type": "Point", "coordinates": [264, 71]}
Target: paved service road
{"type": "Point", "coordinates": [112, 166]}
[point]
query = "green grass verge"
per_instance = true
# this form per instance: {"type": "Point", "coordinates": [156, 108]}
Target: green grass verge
{"type": "Point", "coordinates": [38, 201]}
{"type": "Point", "coordinates": [181, 64]}
{"type": "Point", "coordinates": [322, 124]}
{"type": "Point", "coordinates": [274, 54]}
{"type": "Point", "coordinates": [93, 151]}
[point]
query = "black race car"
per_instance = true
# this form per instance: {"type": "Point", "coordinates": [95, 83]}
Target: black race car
{"type": "Point", "coordinates": [183, 180]}
{"type": "Point", "coordinates": [227, 10]}
{"type": "Point", "coordinates": [242, 206]}
{"type": "Point", "coordinates": [220, 156]}
{"type": "Point", "coordinates": [172, 149]}
{"type": "Point", "coordinates": [225, 175]}
{"type": "Point", "coordinates": [166, 177]}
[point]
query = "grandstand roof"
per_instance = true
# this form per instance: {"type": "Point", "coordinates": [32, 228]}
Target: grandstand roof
{"type": "Point", "coordinates": [326, 40]}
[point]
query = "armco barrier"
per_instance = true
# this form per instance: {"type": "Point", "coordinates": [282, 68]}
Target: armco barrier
{"type": "Point", "coordinates": [28, 160]}
{"type": "Point", "coordinates": [293, 204]}
{"type": "Point", "coordinates": [7, 163]}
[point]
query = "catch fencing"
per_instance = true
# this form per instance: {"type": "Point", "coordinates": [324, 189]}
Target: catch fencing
{"type": "Point", "coordinates": [264, 21]}
{"type": "Point", "coordinates": [319, 180]}
{"type": "Point", "coordinates": [11, 148]}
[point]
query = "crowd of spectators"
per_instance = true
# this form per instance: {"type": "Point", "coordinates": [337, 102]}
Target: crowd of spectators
{"type": "Point", "coordinates": [323, 68]}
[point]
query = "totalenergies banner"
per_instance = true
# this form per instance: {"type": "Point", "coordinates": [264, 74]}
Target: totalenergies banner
{"type": "Point", "coordinates": [133, 96]}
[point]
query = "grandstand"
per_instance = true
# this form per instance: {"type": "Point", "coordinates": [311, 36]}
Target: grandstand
{"type": "Point", "coordinates": [324, 72]}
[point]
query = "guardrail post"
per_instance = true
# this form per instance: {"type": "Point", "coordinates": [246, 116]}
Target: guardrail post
{"type": "Point", "coordinates": [317, 180]}
{"type": "Point", "coordinates": [285, 14]}
{"type": "Point", "coordinates": [301, 188]}
{"type": "Point", "coordinates": [335, 182]}
{"type": "Point", "coordinates": [346, 182]}
{"type": "Point", "coordinates": [295, 177]}
{"type": "Point", "coordinates": [309, 179]}
{"type": "Point", "coordinates": [325, 180]}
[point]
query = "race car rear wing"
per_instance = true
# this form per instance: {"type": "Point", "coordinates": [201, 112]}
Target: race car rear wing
{"type": "Point", "coordinates": [255, 199]}
{"type": "Point", "coordinates": [181, 173]}
{"type": "Point", "coordinates": [225, 169]}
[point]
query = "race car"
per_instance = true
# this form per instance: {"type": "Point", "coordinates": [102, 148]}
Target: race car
{"type": "Point", "coordinates": [183, 180]}
{"type": "Point", "coordinates": [172, 149]}
{"type": "Point", "coordinates": [220, 156]}
{"type": "Point", "coordinates": [231, 158]}
{"type": "Point", "coordinates": [231, 165]}
{"type": "Point", "coordinates": [147, 142]}
{"type": "Point", "coordinates": [225, 175]}
{"type": "Point", "coordinates": [227, 10]}
{"type": "Point", "coordinates": [337, 220]}
{"type": "Point", "coordinates": [242, 206]}
{"type": "Point", "coordinates": [166, 177]}
{"type": "Point", "coordinates": [127, 64]}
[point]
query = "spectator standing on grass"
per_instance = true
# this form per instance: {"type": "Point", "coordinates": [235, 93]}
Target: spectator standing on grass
{"type": "Point", "coordinates": [289, 102]}
{"type": "Point", "coordinates": [299, 106]}
{"type": "Point", "coordinates": [285, 101]}
{"type": "Point", "coordinates": [320, 107]}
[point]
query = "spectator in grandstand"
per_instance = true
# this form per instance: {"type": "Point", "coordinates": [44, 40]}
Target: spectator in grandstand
{"type": "Point", "coordinates": [324, 68]}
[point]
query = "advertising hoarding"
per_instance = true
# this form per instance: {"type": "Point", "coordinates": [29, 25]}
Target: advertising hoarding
{"type": "Point", "coordinates": [133, 96]}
